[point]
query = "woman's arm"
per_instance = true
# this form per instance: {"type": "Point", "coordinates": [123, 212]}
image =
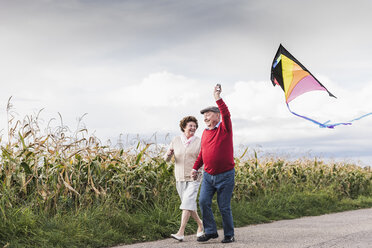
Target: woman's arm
{"type": "Point", "coordinates": [170, 152]}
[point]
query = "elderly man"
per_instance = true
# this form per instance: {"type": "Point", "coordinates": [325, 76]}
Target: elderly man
{"type": "Point", "coordinates": [217, 156]}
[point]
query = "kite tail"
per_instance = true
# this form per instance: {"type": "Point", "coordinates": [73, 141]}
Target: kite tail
{"type": "Point", "coordinates": [356, 119]}
{"type": "Point", "coordinates": [322, 125]}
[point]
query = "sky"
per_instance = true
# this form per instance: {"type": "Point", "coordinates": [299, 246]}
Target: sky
{"type": "Point", "coordinates": [138, 67]}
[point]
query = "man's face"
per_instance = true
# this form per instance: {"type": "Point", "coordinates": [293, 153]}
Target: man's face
{"type": "Point", "coordinates": [211, 119]}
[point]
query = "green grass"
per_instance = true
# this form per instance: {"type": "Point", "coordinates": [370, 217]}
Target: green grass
{"type": "Point", "coordinates": [108, 225]}
{"type": "Point", "coordinates": [278, 207]}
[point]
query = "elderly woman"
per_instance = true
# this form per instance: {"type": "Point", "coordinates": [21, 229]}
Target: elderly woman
{"type": "Point", "coordinates": [185, 149]}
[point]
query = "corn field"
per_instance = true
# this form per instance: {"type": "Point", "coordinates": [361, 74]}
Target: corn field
{"type": "Point", "coordinates": [56, 169]}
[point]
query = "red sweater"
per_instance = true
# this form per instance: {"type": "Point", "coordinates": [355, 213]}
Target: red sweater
{"type": "Point", "coordinates": [217, 152]}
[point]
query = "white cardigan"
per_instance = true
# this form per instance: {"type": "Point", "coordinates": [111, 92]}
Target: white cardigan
{"type": "Point", "coordinates": [185, 157]}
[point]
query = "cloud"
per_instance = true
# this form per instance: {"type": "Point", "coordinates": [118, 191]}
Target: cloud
{"type": "Point", "coordinates": [161, 89]}
{"type": "Point", "coordinates": [160, 100]}
{"type": "Point", "coordinates": [140, 66]}
{"type": "Point", "coordinates": [260, 117]}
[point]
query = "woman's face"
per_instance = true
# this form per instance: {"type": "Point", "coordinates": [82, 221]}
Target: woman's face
{"type": "Point", "coordinates": [190, 129]}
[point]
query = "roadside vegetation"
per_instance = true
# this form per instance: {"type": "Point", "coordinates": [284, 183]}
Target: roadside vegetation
{"type": "Point", "coordinates": [62, 188]}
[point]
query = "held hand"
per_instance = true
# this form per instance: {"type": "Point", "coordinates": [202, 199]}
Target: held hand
{"type": "Point", "coordinates": [170, 152]}
{"type": "Point", "coordinates": [217, 92]}
{"type": "Point", "coordinates": [194, 174]}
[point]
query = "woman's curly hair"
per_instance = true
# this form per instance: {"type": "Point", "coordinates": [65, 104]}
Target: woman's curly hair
{"type": "Point", "coordinates": [186, 120]}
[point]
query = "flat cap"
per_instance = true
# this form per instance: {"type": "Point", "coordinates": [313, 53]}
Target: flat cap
{"type": "Point", "coordinates": [210, 109]}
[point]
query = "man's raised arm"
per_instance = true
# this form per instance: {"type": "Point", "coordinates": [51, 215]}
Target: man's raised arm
{"type": "Point", "coordinates": [225, 113]}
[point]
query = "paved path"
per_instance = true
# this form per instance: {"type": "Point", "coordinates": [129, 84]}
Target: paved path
{"type": "Point", "coordinates": [339, 230]}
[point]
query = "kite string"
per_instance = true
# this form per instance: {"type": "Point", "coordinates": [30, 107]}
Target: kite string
{"type": "Point", "coordinates": [361, 117]}
{"type": "Point", "coordinates": [306, 118]}
{"type": "Point", "coordinates": [322, 125]}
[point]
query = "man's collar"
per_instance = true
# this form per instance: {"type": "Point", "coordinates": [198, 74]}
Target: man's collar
{"type": "Point", "coordinates": [215, 126]}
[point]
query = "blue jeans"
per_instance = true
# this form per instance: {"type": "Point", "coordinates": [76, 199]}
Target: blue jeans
{"type": "Point", "coordinates": [224, 184]}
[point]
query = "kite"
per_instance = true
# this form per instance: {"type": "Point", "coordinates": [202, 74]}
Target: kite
{"type": "Point", "coordinates": [295, 80]}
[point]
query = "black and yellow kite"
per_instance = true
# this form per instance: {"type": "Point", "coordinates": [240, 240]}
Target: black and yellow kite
{"type": "Point", "coordinates": [295, 80]}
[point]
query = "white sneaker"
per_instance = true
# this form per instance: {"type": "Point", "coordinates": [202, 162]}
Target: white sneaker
{"type": "Point", "coordinates": [179, 238]}
{"type": "Point", "coordinates": [199, 234]}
